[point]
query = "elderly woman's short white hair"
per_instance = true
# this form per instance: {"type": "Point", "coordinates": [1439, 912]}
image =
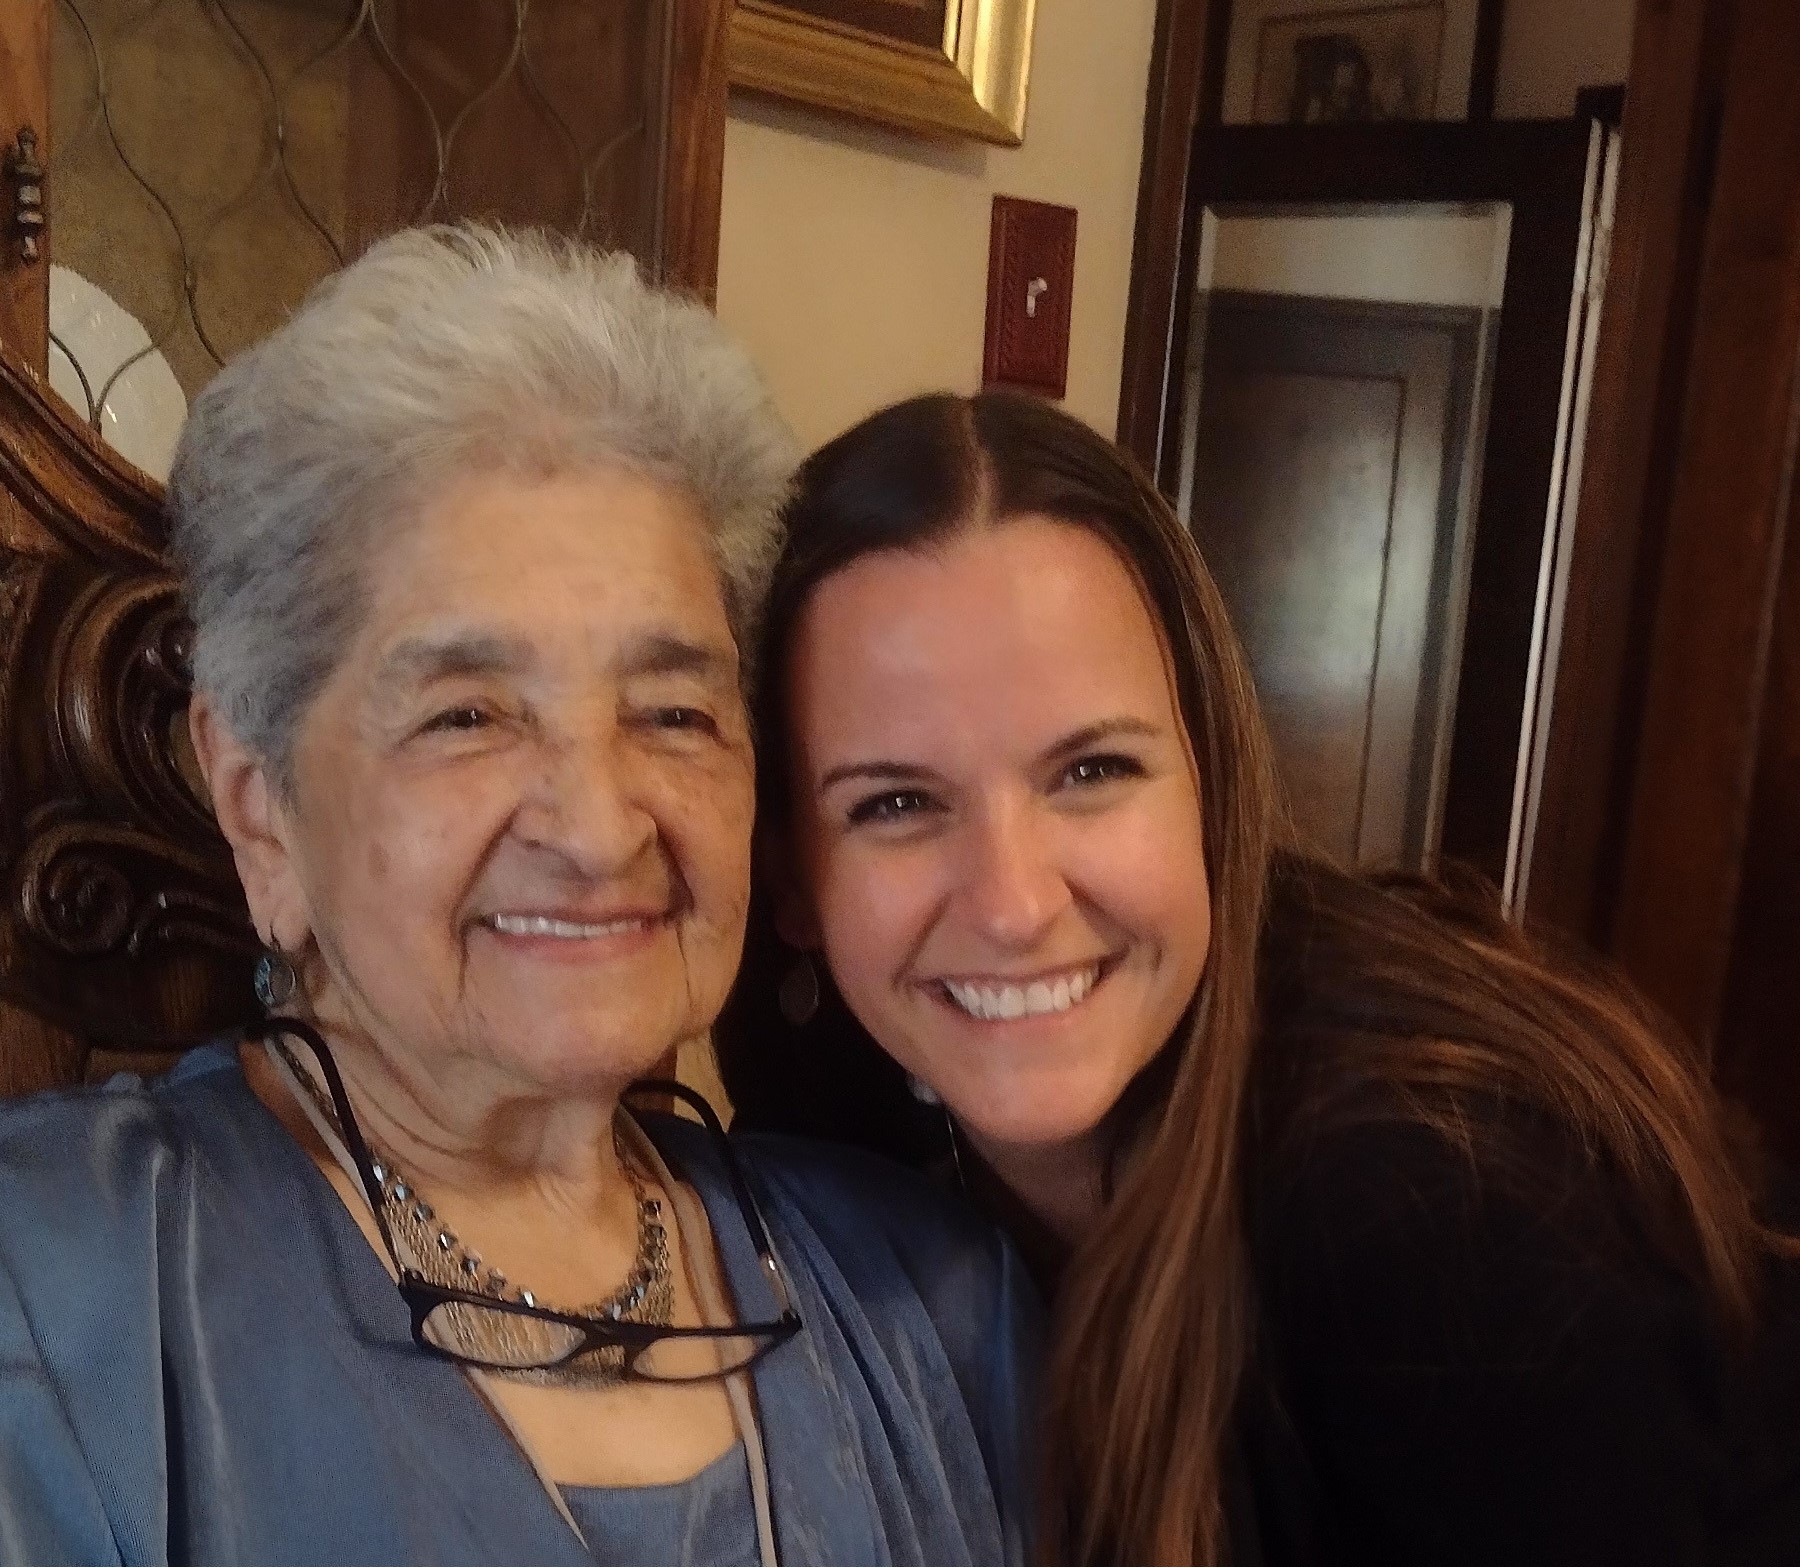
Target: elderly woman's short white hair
{"type": "Point", "coordinates": [441, 353]}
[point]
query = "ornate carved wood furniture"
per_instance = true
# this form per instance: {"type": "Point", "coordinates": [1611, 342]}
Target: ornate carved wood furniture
{"type": "Point", "coordinates": [122, 930]}
{"type": "Point", "coordinates": [120, 921]}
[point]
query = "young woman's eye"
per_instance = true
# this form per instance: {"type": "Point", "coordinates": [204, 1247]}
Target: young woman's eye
{"type": "Point", "coordinates": [894, 805]}
{"type": "Point", "coordinates": [1091, 770]}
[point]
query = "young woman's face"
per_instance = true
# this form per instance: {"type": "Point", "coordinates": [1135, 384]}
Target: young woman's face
{"type": "Point", "coordinates": [997, 823]}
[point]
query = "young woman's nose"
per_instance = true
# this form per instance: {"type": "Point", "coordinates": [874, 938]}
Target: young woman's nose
{"type": "Point", "coordinates": [1012, 885]}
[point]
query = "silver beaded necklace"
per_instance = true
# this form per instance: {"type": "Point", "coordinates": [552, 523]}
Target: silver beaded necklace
{"type": "Point", "coordinates": [646, 1296]}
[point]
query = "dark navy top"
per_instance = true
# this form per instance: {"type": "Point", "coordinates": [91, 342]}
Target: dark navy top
{"type": "Point", "coordinates": [202, 1362]}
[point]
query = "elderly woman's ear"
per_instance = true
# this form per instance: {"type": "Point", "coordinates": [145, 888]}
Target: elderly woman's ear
{"type": "Point", "coordinates": [249, 807]}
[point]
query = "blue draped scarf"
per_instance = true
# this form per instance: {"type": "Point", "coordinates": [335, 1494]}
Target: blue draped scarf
{"type": "Point", "coordinates": [203, 1362]}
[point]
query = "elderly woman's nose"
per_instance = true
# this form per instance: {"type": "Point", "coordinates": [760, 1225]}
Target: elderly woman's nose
{"type": "Point", "coordinates": [589, 802]}
{"type": "Point", "coordinates": [1012, 885]}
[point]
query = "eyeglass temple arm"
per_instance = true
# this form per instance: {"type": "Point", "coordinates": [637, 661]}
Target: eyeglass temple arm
{"type": "Point", "coordinates": [740, 1188]}
{"type": "Point", "coordinates": [309, 1036]}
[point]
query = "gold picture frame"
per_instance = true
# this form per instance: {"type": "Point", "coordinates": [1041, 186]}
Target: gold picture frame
{"type": "Point", "coordinates": [974, 85]}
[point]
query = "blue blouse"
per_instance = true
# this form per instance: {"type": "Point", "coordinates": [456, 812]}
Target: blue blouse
{"type": "Point", "coordinates": [203, 1362]}
{"type": "Point", "coordinates": [708, 1521]}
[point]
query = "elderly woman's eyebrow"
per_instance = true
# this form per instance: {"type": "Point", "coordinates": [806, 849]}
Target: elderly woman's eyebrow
{"type": "Point", "coordinates": [418, 660]}
{"type": "Point", "coordinates": [669, 653]}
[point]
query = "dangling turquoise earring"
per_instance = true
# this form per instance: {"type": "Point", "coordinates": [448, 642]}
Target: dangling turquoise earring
{"type": "Point", "coordinates": [275, 980]}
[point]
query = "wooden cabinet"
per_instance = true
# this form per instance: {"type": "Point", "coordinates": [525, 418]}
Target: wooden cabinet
{"type": "Point", "coordinates": [202, 165]}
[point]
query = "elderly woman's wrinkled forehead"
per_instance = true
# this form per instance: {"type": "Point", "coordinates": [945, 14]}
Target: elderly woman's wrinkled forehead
{"type": "Point", "coordinates": [474, 580]}
{"type": "Point", "coordinates": [441, 354]}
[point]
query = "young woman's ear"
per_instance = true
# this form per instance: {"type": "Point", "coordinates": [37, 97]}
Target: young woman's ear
{"type": "Point", "coordinates": [790, 902]}
{"type": "Point", "coordinates": [250, 811]}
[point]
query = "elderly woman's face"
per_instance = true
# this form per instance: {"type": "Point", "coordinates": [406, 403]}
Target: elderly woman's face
{"type": "Point", "coordinates": [522, 803]}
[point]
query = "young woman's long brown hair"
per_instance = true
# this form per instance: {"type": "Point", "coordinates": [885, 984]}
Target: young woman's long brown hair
{"type": "Point", "coordinates": [1326, 996]}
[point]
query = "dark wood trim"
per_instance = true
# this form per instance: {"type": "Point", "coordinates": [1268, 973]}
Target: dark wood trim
{"type": "Point", "coordinates": [1186, 92]}
{"type": "Point", "coordinates": [1754, 1054]}
{"type": "Point", "coordinates": [1640, 376]}
{"type": "Point", "coordinates": [1213, 61]}
{"type": "Point", "coordinates": [25, 101]}
{"type": "Point", "coordinates": [1727, 526]}
{"type": "Point", "coordinates": [1186, 88]}
{"type": "Point", "coordinates": [1540, 168]}
{"type": "Point", "coordinates": [694, 160]}
{"type": "Point", "coordinates": [1605, 104]}
{"type": "Point", "coordinates": [1484, 72]}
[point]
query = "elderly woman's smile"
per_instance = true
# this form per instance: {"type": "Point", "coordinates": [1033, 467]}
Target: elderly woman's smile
{"type": "Point", "coordinates": [521, 804]}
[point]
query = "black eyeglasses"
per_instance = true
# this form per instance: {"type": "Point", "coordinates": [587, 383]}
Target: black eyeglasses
{"type": "Point", "coordinates": [535, 1338]}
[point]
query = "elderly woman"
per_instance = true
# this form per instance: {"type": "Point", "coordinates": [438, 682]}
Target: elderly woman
{"type": "Point", "coordinates": [473, 546]}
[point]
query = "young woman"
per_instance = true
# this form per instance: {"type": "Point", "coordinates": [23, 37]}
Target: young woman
{"type": "Point", "coordinates": [1377, 1234]}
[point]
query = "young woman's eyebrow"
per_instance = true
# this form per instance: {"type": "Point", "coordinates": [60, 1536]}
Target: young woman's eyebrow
{"type": "Point", "coordinates": [1123, 727]}
{"type": "Point", "coordinates": [873, 772]}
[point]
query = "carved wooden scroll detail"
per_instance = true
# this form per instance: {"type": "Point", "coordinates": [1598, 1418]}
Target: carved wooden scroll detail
{"type": "Point", "coordinates": [120, 914]}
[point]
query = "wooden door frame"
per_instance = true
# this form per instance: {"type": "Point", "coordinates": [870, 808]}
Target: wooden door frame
{"type": "Point", "coordinates": [1185, 90]}
{"type": "Point", "coordinates": [1541, 169]}
{"type": "Point", "coordinates": [1641, 368]}
{"type": "Point", "coordinates": [1728, 506]}
{"type": "Point", "coordinates": [1186, 87]}
{"type": "Point", "coordinates": [1650, 776]}
{"type": "Point", "coordinates": [694, 157]}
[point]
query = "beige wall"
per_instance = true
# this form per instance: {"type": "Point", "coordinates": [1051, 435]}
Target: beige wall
{"type": "Point", "coordinates": [854, 263]}
{"type": "Point", "coordinates": [1418, 256]}
{"type": "Point", "coordinates": [1551, 48]}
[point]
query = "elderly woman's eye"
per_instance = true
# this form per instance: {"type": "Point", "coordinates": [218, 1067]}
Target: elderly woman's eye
{"type": "Point", "coordinates": [894, 805]}
{"type": "Point", "coordinates": [455, 720]}
{"type": "Point", "coordinates": [695, 719]}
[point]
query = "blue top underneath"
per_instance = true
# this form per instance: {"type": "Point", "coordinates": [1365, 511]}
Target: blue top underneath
{"type": "Point", "coordinates": [708, 1521]}
{"type": "Point", "coordinates": [203, 1362]}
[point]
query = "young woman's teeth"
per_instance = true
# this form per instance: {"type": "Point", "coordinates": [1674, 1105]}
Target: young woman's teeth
{"type": "Point", "coordinates": [1006, 1002]}
{"type": "Point", "coordinates": [569, 930]}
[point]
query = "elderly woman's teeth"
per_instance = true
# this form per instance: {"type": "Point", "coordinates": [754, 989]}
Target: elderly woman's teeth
{"type": "Point", "coordinates": [1006, 1002]}
{"type": "Point", "coordinates": [543, 925]}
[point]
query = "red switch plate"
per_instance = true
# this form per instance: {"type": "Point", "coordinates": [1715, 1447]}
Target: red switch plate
{"type": "Point", "coordinates": [1031, 285]}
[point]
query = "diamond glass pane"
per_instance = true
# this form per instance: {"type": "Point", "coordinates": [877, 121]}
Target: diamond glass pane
{"type": "Point", "coordinates": [210, 160]}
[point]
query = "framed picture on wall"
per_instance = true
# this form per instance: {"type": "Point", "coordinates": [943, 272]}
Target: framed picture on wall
{"type": "Point", "coordinates": [956, 68]}
{"type": "Point", "coordinates": [1359, 66]}
{"type": "Point", "coordinates": [1320, 62]}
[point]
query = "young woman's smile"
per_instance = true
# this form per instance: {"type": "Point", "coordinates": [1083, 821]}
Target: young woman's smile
{"type": "Point", "coordinates": [997, 823]}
